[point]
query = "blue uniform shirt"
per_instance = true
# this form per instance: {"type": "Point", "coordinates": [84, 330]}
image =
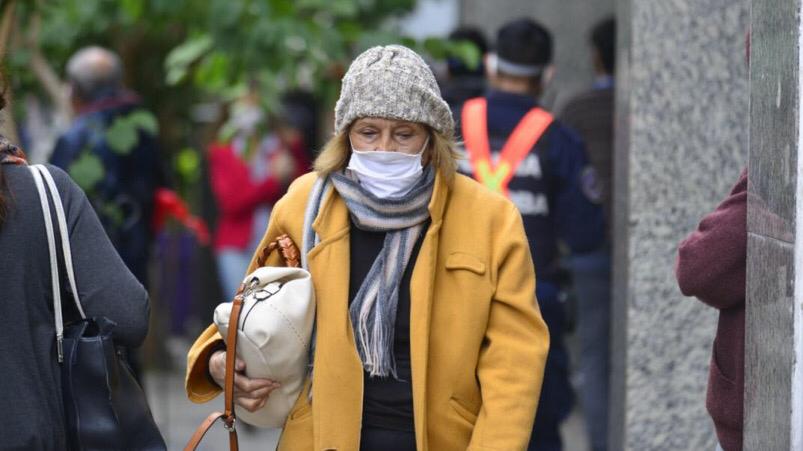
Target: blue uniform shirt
{"type": "Point", "coordinates": [554, 188]}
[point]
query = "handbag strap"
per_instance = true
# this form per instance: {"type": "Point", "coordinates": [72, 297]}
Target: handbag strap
{"type": "Point", "coordinates": [36, 172]}
{"type": "Point", "coordinates": [291, 256]}
{"type": "Point", "coordinates": [66, 248]}
{"type": "Point", "coordinates": [288, 249]}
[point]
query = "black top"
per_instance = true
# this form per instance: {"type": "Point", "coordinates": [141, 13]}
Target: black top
{"type": "Point", "coordinates": [31, 384]}
{"type": "Point", "coordinates": [387, 402]}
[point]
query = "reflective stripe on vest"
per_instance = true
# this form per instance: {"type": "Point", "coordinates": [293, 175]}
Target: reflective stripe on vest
{"type": "Point", "coordinates": [518, 145]}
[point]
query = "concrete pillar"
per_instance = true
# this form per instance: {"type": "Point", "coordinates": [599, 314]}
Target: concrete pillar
{"type": "Point", "coordinates": [682, 121]}
{"type": "Point", "coordinates": [774, 324]}
{"type": "Point", "coordinates": [568, 20]}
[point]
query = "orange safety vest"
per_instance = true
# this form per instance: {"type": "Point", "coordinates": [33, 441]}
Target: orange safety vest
{"type": "Point", "coordinates": [475, 135]}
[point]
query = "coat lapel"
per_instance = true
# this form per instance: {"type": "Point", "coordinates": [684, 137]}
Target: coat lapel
{"type": "Point", "coordinates": [421, 296]}
{"type": "Point", "coordinates": [337, 388]}
{"type": "Point", "coordinates": [337, 378]}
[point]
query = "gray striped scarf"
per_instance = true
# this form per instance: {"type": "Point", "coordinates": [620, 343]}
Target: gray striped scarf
{"type": "Point", "coordinates": [373, 310]}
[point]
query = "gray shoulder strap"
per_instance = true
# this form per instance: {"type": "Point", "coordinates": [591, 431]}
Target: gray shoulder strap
{"type": "Point", "coordinates": [65, 236]}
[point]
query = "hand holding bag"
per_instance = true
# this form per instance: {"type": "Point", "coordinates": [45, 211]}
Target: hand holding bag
{"type": "Point", "coordinates": [274, 312]}
{"type": "Point", "coordinates": [104, 406]}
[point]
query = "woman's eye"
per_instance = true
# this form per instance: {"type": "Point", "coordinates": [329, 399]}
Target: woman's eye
{"type": "Point", "coordinates": [368, 134]}
{"type": "Point", "coordinates": [404, 135]}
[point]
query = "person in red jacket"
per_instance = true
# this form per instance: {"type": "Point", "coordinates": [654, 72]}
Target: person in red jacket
{"type": "Point", "coordinates": [711, 265]}
{"type": "Point", "coordinates": [248, 175]}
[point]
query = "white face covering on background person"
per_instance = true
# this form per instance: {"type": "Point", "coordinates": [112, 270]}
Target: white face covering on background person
{"type": "Point", "coordinates": [387, 174]}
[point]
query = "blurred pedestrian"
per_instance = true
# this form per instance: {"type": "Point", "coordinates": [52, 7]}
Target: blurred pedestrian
{"type": "Point", "coordinates": [428, 332]}
{"type": "Point", "coordinates": [123, 197]}
{"type": "Point", "coordinates": [465, 82]}
{"type": "Point", "coordinates": [591, 115]}
{"type": "Point", "coordinates": [30, 371]}
{"type": "Point", "coordinates": [297, 122]}
{"type": "Point", "coordinates": [518, 149]}
{"type": "Point", "coordinates": [712, 266]}
{"type": "Point", "coordinates": [249, 173]}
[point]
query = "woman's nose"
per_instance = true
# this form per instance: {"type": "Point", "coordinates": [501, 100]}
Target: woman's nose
{"type": "Point", "coordinates": [386, 143]}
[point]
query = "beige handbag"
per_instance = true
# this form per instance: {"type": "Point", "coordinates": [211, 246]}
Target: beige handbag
{"type": "Point", "coordinates": [273, 336]}
{"type": "Point", "coordinates": [274, 310]}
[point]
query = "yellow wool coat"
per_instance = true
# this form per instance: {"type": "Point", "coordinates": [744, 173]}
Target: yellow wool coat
{"type": "Point", "coordinates": [478, 344]}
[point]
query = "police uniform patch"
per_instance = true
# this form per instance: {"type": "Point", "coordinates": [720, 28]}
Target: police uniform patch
{"type": "Point", "coordinates": [589, 184]}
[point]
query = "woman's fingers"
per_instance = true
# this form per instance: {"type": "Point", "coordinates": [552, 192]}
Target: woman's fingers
{"type": "Point", "coordinates": [245, 386]}
{"type": "Point", "coordinates": [251, 405]}
{"type": "Point", "coordinates": [260, 393]}
{"type": "Point", "coordinates": [217, 367]}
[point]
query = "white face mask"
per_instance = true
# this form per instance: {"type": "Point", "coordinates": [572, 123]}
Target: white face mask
{"type": "Point", "coordinates": [386, 174]}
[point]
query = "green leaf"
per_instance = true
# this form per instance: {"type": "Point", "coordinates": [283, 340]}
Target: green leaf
{"type": "Point", "coordinates": [87, 171]}
{"type": "Point", "coordinates": [144, 120]}
{"type": "Point", "coordinates": [132, 9]}
{"type": "Point", "coordinates": [175, 75]}
{"type": "Point", "coordinates": [121, 136]}
{"type": "Point", "coordinates": [213, 72]}
{"type": "Point", "coordinates": [112, 212]}
{"type": "Point", "coordinates": [180, 58]}
{"type": "Point", "coordinates": [436, 47]}
{"type": "Point", "coordinates": [188, 164]}
{"type": "Point", "coordinates": [467, 52]}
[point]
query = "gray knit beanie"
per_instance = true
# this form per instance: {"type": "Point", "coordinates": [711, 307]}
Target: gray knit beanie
{"type": "Point", "coordinates": [392, 82]}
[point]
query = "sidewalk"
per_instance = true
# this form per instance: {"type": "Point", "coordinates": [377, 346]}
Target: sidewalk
{"type": "Point", "coordinates": [177, 418]}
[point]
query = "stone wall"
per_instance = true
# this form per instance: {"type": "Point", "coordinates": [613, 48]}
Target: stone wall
{"type": "Point", "coordinates": [774, 193]}
{"type": "Point", "coordinates": [682, 121]}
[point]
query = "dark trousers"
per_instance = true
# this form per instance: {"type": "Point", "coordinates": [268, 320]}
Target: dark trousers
{"type": "Point", "coordinates": [592, 285]}
{"type": "Point", "coordinates": [556, 393]}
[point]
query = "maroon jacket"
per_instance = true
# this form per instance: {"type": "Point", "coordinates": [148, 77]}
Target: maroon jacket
{"type": "Point", "coordinates": [711, 266]}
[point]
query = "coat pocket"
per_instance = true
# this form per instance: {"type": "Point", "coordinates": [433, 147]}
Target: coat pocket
{"type": "Point", "coordinates": [297, 434]}
{"type": "Point", "coordinates": [724, 399]}
{"type": "Point", "coordinates": [461, 260]}
{"type": "Point", "coordinates": [464, 412]}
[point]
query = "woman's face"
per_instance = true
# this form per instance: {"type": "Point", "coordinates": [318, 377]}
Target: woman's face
{"type": "Point", "coordinates": [371, 133]}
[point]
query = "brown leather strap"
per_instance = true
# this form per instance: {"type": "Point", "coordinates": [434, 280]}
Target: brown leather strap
{"type": "Point", "coordinates": [231, 354]}
{"type": "Point", "coordinates": [288, 249]}
{"type": "Point", "coordinates": [292, 258]}
{"type": "Point", "coordinates": [203, 428]}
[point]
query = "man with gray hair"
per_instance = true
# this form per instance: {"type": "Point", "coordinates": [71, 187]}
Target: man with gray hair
{"type": "Point", "coordinates": [122, 192]}
{"type": "Point", "coordinates": [94, 72]}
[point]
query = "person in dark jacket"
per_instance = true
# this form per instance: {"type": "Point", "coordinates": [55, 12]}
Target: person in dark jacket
{"type": "Point", "coordinates": [464, 82]}
{"type": "Point", "coordinates": [591, 115]}
{"type": "Point", "coordinates": [712, 266]}
{"type": "Point", "coordinates": [123, 197]}
{"type": "Point", "coordinates": [518, 149]}
{"type": "Point", "coordinates": [31, 390]}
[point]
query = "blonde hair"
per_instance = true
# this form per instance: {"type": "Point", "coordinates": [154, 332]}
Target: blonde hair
{"type": "Point", "coordinates": [440, 152]}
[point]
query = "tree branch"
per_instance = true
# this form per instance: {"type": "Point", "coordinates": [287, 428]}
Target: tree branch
{"type": "Point", "coordinates": [50, 81]}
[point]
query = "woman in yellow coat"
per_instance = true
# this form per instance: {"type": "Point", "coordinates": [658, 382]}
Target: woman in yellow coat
{"type": "Point", "coordinates": [428, 334]}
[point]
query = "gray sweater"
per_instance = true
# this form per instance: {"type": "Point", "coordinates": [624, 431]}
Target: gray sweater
{"type": "Point", "coordinates": [30, 390]}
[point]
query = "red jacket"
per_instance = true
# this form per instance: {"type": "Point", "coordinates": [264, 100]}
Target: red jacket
{"type": "Point", "coordinates": [238, 196]}
{"type": "Point", "coordinates": [711, 266]}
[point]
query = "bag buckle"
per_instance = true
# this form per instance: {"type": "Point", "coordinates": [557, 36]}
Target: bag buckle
{"type": "Point", "coordinates": [230, 424]}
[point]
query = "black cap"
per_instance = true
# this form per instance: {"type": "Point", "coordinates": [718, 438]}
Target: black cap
{"type": "Point", "coordinates": [524, 42]}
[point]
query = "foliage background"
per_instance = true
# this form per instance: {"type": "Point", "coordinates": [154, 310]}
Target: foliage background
{"type": "Point", "coordinates": [181, 53]}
